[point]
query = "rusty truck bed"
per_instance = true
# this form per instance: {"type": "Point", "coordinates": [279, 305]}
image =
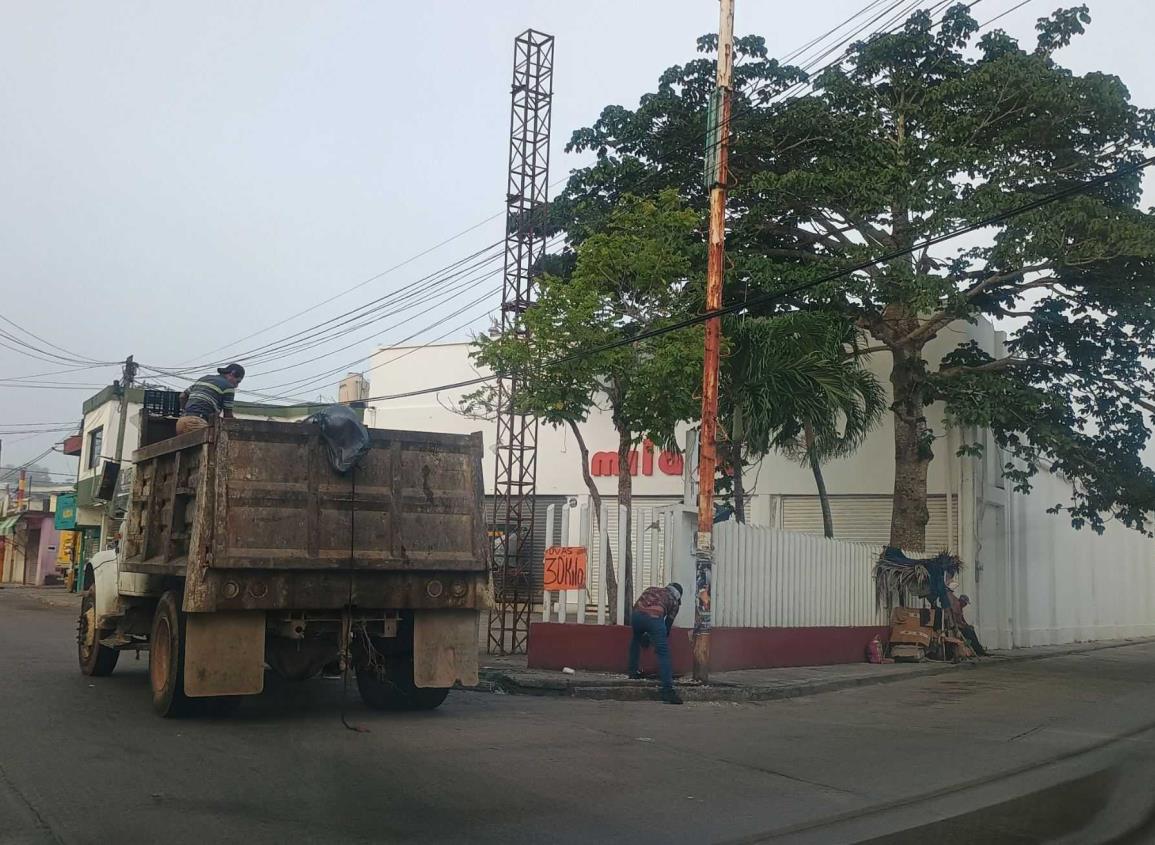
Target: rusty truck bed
{"type": "Point", "coordinates": [252, 515]}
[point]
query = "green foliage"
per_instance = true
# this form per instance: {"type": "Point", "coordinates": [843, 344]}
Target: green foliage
{"type": "Point", "coordinates": [918, 133]}
{"type": "Point", "coordinates": [632, 276]}
{"type": "Point", "coordinates": [795, 377]}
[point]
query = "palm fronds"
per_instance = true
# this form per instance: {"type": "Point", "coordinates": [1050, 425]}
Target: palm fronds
{"type": "Point", "coordinates": [899, 579]}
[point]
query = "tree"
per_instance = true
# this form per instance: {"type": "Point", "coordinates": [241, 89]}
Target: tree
{"type": "Point", "coordinates": [916, 134]}
{"type": "Point", "coordinates": [797, 384]}
{"type": "Point", "coordinates": [633, 275]}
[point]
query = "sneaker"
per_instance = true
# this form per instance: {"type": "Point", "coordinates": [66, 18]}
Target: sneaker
{"type": "Point", "coordinates": [635, 676]}
{"type": "Point", "coordinates": [670, 696]}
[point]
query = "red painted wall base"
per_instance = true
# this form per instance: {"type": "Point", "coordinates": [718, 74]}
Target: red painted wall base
{"type": "Point", "coordinates": [604, 648]}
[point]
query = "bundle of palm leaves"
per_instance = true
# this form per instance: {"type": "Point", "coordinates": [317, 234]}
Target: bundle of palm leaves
{"type": "Point", "coordinates": [899, 579]}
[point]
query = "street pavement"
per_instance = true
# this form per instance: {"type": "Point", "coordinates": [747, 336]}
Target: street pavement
{"type": "Point", "coordinates": [1059, 749]}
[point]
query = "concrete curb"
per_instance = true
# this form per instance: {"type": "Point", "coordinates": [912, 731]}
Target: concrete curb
{"type": "Point", "coordinates": [621, 689]}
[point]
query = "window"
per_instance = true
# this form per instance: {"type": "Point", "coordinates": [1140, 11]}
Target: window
{"type": "Point", "coordinates": [95, 443]}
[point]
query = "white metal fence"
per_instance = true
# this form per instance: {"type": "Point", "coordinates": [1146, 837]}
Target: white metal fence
{"type": "Point", "coordinates": [647, 544]}
{"type": "Point", "coordinates": [767, 578]}
{"type": "Point", "coordinates": [763, 577]}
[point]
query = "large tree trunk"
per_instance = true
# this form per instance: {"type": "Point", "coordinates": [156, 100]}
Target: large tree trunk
{"type": "Point", "coordinates": [625, 497]}
{"type": "Point", "coordinates": [912, 452]}
{"type": "Point", "coordinates": [820, 483]}
{"type": "Point", "coordinates": [611, 579]}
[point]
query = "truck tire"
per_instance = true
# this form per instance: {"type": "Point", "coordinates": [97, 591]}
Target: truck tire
{"type": "Point", "coordinates": [166, 657]}
{"type": "Point", "coordinates": [390, 686]}
{"type": "Point", "coordinates": [96, 660]}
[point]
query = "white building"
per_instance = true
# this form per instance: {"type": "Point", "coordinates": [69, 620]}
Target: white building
{"type": "Point", "coordinates": [1029, 572]}
{"type": "Point", "coordinates": [782, 492]}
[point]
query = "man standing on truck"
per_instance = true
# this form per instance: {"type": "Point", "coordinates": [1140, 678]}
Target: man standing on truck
{"type": "Point", "coordinates": [209, 397]}
{"type": "Point", "coordinates": [653, 616]}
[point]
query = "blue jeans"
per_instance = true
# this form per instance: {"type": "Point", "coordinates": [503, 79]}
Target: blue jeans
{"type": "Point", "coordinates": [643, 623]}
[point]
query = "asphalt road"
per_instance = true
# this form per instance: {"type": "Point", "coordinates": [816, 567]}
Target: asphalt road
{"type": "Point", "coordinates": [1028, 752]}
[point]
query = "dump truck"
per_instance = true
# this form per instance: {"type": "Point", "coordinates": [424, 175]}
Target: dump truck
{"type": "Point", "coordinates": [244, 551]}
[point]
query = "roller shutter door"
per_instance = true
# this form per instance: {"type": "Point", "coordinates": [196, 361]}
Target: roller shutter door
{"type": "Point", "coordinates": [863, 519]}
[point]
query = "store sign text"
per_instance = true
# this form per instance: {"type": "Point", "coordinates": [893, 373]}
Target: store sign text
{"type": "Point", "coordinates": [668, 463]}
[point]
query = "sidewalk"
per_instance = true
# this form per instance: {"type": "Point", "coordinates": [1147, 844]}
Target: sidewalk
{"type": "Point", "coordinates": [509, 675]}
{"type": "Point", "coordinates": [54, 596]}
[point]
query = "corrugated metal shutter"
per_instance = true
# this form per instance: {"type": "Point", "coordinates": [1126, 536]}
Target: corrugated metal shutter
{"type": "Point", "coordinates": [863, 519]}
{"type": "Point", "coordinates": [536, 550]}
{"type": "Point", "coordinates": [650, 565]}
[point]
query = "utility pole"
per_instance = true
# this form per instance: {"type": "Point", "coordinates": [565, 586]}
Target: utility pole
{"type": "Point", "coordinates": [716, 173]}
{"type": "Point", "coordinates": [128, 376]}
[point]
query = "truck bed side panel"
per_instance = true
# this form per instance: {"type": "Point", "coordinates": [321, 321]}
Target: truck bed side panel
{"type": "Point", "coordinates": [412, 503]}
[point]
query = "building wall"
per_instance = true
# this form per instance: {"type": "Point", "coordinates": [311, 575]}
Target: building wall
{"type": "Point", "coordinates": [1039, 581]}
{"type": "Point", "coordinates": [49, 543]}
{"type": "Point", "coordinates": [1032, 578]}
{"type": "Point", "coordinates": [869, 471]}
{"type": "Point", "coordinates": [30, 551]}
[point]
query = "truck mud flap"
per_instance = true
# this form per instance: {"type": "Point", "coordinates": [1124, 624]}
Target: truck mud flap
{"type": "Point", "coordinates": [445, 644]}
{"type": "Point", "coordinates": [224, 653]}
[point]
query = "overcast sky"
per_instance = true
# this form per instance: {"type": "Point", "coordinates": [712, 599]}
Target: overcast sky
{"type": "Point", "coordinates": [177, 176]}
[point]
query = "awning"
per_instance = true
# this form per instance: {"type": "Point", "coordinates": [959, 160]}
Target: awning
{"type": "Point", "coordinates": [7, 522]}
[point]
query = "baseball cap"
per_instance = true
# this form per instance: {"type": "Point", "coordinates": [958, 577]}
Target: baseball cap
{"type": "Point", "coordinates": [235, 369]}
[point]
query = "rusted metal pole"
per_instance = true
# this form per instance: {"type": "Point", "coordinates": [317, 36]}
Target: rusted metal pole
{"type": "Point", "coordinates": [718, 149]}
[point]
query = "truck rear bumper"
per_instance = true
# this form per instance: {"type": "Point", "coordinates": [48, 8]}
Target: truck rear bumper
{"type": "Point", "coordinates": [224, 589]}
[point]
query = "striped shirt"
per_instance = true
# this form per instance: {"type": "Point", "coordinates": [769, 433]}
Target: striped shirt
{"type": "Point", "coordinates": [208, 396]}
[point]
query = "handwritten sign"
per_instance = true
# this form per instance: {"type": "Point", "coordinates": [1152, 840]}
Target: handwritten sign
{"type": "Point", "coordinates": [565, 567]}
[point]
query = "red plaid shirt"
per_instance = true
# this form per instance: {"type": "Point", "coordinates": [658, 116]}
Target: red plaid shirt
{"type": "Point", "coordinates": [658, 602]}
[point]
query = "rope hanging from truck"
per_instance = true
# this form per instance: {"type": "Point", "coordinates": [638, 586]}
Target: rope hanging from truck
{"type": "Point", "coordinates": [347, 615]}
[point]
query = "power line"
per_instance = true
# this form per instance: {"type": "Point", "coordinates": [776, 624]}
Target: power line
{"type": "Point", "coordinates": [16, 470]}
{"type": "Point", "coordinates": [31, 424]}
{"type": "Point", "coordinates": [367, 281]}
{"type": "Point", "coordinates": [487, 295]}
{"type": "Point", "coordinates": [1013, 8]}
{"type": "Point", "coordinates": [283, 345]}
{"type": "Point", "coordinates": [771, 296]}
{"type": "Point", "coordinates": [78, 359]}
{"type": "Point", "coordinates": [238, 356]}
{"type": "Point", "coordinates": [905, 8]}
{"type": "Point", "coordinates": [27, 386]}
{"type": "Point", "coordinates": [551, 242]}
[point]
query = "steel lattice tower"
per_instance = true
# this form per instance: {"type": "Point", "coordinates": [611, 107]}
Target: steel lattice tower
{"type": "Point", "coordinates": [516, 474]}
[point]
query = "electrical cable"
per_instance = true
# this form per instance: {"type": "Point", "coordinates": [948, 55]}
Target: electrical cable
{"type": "Point", "coordinates": [771, 296]}
{"type": "Point", "coordinates": [869, 6]}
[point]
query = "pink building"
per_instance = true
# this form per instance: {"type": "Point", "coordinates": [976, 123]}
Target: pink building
{"type": "Point", "coordinates": [29, 549]}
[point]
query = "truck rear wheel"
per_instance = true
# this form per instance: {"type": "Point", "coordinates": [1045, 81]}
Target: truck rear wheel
{"type": "Point", "coordinates": [166, 657]}
{"type": "Point", "coordinates": [388, 685]}
{"type": "Point", "coordinates": [96, 660]}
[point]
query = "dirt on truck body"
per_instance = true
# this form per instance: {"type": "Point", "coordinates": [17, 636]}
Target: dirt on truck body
{"type": "Point", "coordinates": [243, 548]}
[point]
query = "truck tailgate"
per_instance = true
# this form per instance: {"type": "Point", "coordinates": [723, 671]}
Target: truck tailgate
{"type": "Point", "coordinates": [412, 504]}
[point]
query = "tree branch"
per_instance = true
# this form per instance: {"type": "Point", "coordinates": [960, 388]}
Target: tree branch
{"type": "Point", "coordinates": [989, 367]}
{"type": "Point", "coordinates": [932, 325]}
{"type": "Point", "coordinates": [867, 230]}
